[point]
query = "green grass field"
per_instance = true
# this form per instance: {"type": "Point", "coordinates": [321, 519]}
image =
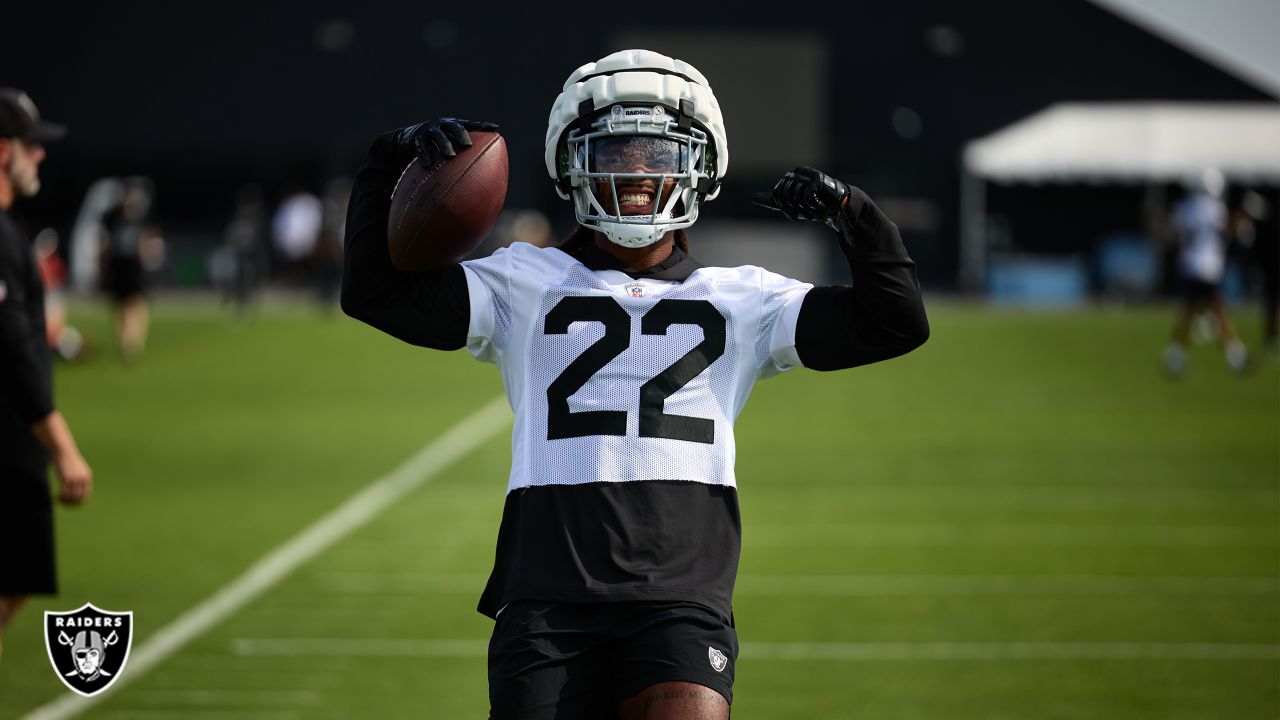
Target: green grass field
{"type": "Point", "coordinates": [1022, 519]}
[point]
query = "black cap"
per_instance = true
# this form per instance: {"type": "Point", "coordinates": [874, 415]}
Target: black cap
{"type": "Point", "coordinates": [19, 118]}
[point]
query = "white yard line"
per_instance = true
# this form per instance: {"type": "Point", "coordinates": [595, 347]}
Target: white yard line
{"type": "Point", "coordinates": [1012, 585]}
{"type": "Point", "coordinates": [1011, 651]}
{"type": "Point", "coordinates": [1007, 535]}
{"type": "Point", "coordinates": [365, 505]}
{"type": "Point", "coordinates": [191, 712]}
{"type": "Point", "coordinates": [963, 651]}
{"type": "Point", "coordinates": [358, 647]}
{"type": "Point", "coordinates": [234, 698]}
{"type": "Point", "coordinates": [385, 584]}
{"type": "Point", "coordinates": [1139, 498]}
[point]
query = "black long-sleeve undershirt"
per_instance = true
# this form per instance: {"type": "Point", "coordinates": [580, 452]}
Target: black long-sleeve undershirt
{"type": "Point", "coordinates": [429, 308]}
{"type": "Point", "coordinates": [881, 316]}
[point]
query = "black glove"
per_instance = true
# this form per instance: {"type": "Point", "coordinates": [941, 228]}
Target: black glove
{"type": "Point", "coordinates": [806, 194]}
{"type": "Point", "coordinates": [433, 141]}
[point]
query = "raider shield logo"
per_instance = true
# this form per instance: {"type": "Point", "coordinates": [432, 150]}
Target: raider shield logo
{"type": "Point", "coordinates": [718, 659]}
{"type": "Point", "coordinates": [88, 647]}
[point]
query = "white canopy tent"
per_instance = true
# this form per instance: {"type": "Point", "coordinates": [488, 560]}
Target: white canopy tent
{"type": "Point", "coordinates": [1131, 142]}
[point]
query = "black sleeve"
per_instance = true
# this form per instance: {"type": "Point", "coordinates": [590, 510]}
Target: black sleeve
{"type": "Point", "coordinates": [882, 315]}
{"type": "Point", "coordinates": [26, 378]}
{"type": "Point", "coordinates": [429, 308]}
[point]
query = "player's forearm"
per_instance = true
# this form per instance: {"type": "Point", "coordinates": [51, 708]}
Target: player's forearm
{"type": "Point", "coordinates": [889, 307]}
{"type": "Point", "coordinates": [882, 315]}
{"type": "Point", "coordinates": [369, 280]}
{"type": "Point", "coordinates": [54, 434]}
{"type": "Point", "coordinates": [429, 308]}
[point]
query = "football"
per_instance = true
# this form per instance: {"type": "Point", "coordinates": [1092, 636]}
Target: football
{"type": "Point", "coordinates": [439, 214]}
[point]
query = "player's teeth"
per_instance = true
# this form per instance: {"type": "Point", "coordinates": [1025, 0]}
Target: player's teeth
{"type": "Point", "coordinates": [635, 199]}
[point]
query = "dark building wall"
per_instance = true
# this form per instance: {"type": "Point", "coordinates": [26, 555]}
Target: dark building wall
{"type": "Point", "coordinates": [207, 97]}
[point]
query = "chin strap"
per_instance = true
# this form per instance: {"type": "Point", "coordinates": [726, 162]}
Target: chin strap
{"type": "Point", "coordinates": [705, 185]}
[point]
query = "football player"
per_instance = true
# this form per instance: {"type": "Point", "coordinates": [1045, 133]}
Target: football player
{"type": "Point", "coordinates": [627, 361]}
{"type": "Point", "coordinates": [1201, 223]}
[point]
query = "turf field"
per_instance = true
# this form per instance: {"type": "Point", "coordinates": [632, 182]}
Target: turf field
{"type": "Point", "coordinates": [1022, 519]}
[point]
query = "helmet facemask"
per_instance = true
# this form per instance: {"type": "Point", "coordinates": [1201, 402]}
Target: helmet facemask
{"type": "Point", "coordinates": [634, 174]}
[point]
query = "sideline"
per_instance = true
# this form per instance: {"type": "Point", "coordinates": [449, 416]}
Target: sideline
{"type": "Point", "coordinates": [362, 507]}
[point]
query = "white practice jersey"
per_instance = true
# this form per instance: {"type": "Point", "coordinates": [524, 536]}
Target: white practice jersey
{"type": "Point", "coordinates": [616, 380]}
{"type": "Point", "coordinates": [1201, 220]}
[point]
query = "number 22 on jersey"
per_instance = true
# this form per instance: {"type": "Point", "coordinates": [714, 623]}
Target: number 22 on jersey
{"type": "Point", "coordinates": [654, 422]}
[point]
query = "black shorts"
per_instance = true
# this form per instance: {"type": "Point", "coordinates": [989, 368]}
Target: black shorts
{"type": "Point", "coordinates": [26, 533]}
{"type": "Point", "coordinates": [581, 660]}
{"type": "Point", "coordinates": [125, 277]}
{"type": "Point", "coordinates": [1198, 291]}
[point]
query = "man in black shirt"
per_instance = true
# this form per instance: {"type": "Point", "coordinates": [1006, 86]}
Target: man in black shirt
{"type": "Point", "coordinates": [32, 432]}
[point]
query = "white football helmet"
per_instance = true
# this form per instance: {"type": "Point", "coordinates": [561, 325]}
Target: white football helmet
{"type": "Point", "coordinates": [636, 139]}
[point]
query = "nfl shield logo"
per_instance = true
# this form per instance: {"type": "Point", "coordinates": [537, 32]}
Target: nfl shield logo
{"type": "Point", "coordinates": [635, 290]}
{"type": "Point", "coordinates": [88, 647]}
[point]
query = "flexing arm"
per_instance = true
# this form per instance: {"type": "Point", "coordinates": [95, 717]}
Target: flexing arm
{"type": "Point", "coordinates": [428, 308]}
{"type": "Point", "coordinates": [882, 315]}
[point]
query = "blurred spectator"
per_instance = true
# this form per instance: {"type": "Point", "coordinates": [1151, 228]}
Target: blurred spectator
{"type": "Point", "coordinates": [525, 225]}
{"type": "Point", "coordinates": [1253, 214]}
{"type": "Point", "coordinates": [1200, 220]}
{"type": "Point", "coordinates": [64, 339]}
{"type": "Point", "coordinates": [86, 235]}
{"type": "Point", "coordinates": [296, 231]}
{"type": "Point", "coordinates": [132, 246]}
{"type": "Point", "coordinates": [326, 260]}
{"type": "Point", "coordinates": [533, 227]}
{"type": "Point", "coordinates": [237, 267]}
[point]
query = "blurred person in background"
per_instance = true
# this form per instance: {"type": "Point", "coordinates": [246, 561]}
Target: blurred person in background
{"type": "Point", "coordinates": [295, 231]}
{"type": "Point", "coordinates": [32, 431]}
{"type": "Point", "coordinates": [618, 549]}
{"type": "Point", "coordinates": [1200, 221]}
{"type": "Point", "coordinates": [1254, 230]}
{"type": "Point", "coordinates": [526, 226]}
{"type": "Point", "coordinates": [131, 246]}
{"type": "Point", "coordinates": [1267, 251]}
{"type": "Point", "coordinates": [326, 259]}
{"type": "Point", "coordinates": [238, 266]}
{"type": "Point", "coordinates": [65, 340]}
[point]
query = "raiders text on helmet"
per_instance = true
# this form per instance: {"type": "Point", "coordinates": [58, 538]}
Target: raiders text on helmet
{"type": "Point", "coordinates": [636, 94]}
